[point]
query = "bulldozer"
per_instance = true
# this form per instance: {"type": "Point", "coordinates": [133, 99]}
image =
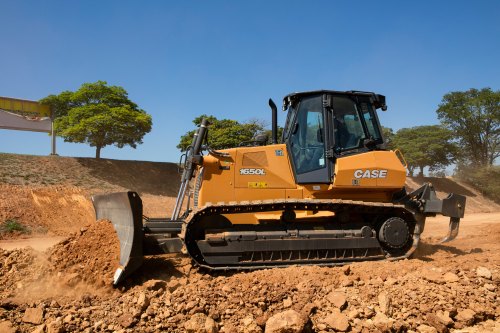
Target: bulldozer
{"type": "Point", "coordinates": [327, 192]}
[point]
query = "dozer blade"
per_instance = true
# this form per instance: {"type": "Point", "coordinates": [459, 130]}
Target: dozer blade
{"type": "Point", "coordinates": [124, 210]}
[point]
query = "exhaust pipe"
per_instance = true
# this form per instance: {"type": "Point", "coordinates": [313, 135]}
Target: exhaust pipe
{"type": "Point", "coordinates": [274, 110]}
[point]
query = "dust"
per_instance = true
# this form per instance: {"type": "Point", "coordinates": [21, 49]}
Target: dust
{"type": "Point", "coordinates": [78, 265]}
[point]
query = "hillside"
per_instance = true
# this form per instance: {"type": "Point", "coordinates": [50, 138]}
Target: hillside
{"type": "Point", "coordinates": [45, 193]}
{"type": "Point", "coordinates": [90, 174]}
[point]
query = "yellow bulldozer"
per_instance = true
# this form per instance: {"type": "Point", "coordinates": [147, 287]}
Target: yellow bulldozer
{"type": "Point", "coordinates": [326, 193]}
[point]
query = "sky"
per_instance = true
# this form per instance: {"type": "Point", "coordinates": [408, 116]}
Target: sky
{"type": "Point", "coordinates": [181, 59]}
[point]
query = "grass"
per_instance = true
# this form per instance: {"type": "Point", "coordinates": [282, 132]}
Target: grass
{"type": "Point", "coordinates": [12, 225]}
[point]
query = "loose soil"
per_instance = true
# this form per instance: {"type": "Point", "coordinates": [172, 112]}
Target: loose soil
{"type": "Point", "coordinates": [67, 287]}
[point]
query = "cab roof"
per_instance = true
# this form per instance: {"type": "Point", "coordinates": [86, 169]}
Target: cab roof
{"type": "Point", "coordinates": [378, 100]}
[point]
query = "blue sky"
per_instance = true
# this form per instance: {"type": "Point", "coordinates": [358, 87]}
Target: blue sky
{"type": "Point", "coordinates": [179, 59]}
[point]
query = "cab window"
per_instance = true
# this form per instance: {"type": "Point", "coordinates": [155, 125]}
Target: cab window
{"type": "Point", "coordinates": [307, 136]}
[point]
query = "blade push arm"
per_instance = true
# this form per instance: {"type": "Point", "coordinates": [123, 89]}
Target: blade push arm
{"type": "Point", "coordinates": [193, 158]}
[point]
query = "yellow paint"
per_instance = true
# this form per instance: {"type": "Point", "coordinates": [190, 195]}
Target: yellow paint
{"type": "Point", "coordinates": [346, 168]}
{"type": "Point", "coordinates": [257, 185]}
{"type": "Point", "coordinates": [25, 106]}
{"type": "Point", "coordinates": [265, 173]}
{"type": "Point", "coordinates": [256, 218]}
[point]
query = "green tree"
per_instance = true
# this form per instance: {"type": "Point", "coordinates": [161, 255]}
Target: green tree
{"type": "Point", "coordinates": [224, 133]}
{"type": "Point", "coordinates": [388, 135]}
{"type": "Point", "coordinates": [425, 146]}
{"type": "Point", "coordinates": [99, 115]}
{"type": "Point", "coordinates": [474, 118]}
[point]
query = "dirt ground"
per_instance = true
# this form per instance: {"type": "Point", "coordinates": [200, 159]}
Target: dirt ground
{"type": "Point", "coordinates": [61, 282]}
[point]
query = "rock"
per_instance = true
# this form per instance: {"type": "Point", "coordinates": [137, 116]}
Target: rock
{"type": "Point", "coordinates": [354, 313]}
{"type": "Point", "coordinates": [390, 281]}
{"type": "Point", "coordinates": [309, 308]}
{"type": "Point", "coordinates": [126, 320]}
{"type": "Point", "coordinates": [369, 312]}
{"type": "Point", "coordinates": [384, 302]}
{"type": "Point", "coordinates": [289, 321]}
{"type": "Point", "coordinates": [337, 321]}
{"type": "Point", "coordinates": [173, 284]}
{"type": "Point", "coordinates": [346, 269]}
{"type": "Point", "coordinates": [426, 329]}
{"type": "Point", "coordinates": [489, 287]}
{"type": "Point", "coordinates": [321, 326]}
{"type": "Point", "coordinates": [382, 322]}
{"type": "Point", "coordinates": [143, 301]}
{"type": "Point", "coordinates": [261, 320]}
{"type": "Point", "coordinates": [54, 327]}
{"type": "Point", "coordinates": [72, 279]}
{"type": "Point", "coordinates": [6, 327]}
{"type": "Point", "coordinates": [155, 285]}
{"type": "Point", "coordinates": [54, 304]}
{"type": "Point", "coordinates": [466, 316]}
{"type": "Point", "coordinates": [337, 299]}
{"type": "Point", "coordinates": [433, 275]}
{"type": "Point", "coordinates": [483, 272]}
{"type": "Point", "coordinates": [68, 319]}
{"type": "Point", "coordinates": [287, 302]}
{"type": "Point", "coordinates": [436, 322]}
{"type": "Point", "coordinates": [249, 325]}
{"type": "Point", "coordinates": [346, 281]}
{"type": "Point", "coordinates": [38, 329]}
{"type": "Point", "coordinates": [200, 323]}
{"type": "Point", "coordinates": [444, 317]}
{"type": "Point", "coordinates": [33, 316]}
{"type": "Point", "coordinates": [450, 277]}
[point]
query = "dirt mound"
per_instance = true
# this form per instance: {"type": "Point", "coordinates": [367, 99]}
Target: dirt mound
{"type": "Point", "coordinates": [92, 255]}
{"type": "Point", "coordinates": [58, 210]}
{"type": "Point", "coordinates": [476, 202]}
{"type": "Point", "coordinates": [83, 264]}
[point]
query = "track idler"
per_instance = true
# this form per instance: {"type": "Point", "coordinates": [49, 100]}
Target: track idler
{"type": "Point", "coordinates": [394, 233]}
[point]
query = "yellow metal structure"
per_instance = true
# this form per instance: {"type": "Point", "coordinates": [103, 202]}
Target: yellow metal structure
{"type": "Point", "coordinates": [24, 106]}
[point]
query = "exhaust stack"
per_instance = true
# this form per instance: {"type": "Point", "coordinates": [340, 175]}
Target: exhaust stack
{"type": "Point", "coordinates": [274, 110]}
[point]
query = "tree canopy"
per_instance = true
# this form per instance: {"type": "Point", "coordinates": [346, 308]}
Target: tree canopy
{"type": "Point", "coordinates": [474, 118]}
{"type": "Point", "coordinates": [99, 115]}
{"type": "Point", "coordinates": [425, 146]}
{"type": "Point", "coordinates": [388, 135]}
{"type": "Point", "coordinates": [224, 133]}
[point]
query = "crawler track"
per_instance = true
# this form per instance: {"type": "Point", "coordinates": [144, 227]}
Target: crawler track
{"type": "Point", "coordinates": [351, 235]}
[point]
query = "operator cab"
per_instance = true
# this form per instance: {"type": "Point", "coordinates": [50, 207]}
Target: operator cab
{"type": "Point", "coordinates": [322, 126]}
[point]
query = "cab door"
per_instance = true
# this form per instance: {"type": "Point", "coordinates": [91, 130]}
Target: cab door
{"type": "Point", "coordinates": [306, 142]}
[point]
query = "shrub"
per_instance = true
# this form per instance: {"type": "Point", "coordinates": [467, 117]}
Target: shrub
{"type": "Point", "coordinates": [12, 225]}
{"type": "Point", "coordinates": [484, 179]}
